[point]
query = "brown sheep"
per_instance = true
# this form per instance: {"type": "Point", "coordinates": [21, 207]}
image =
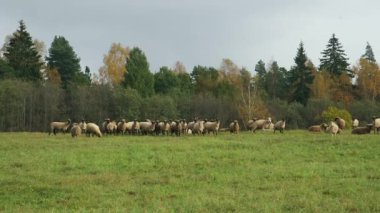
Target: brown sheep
{"type": "Point", "coordinates": [234, 127]}
{"type": "Point", "coordinates": [340, 122]}
{"type": "Point", "coordinates": [362, 130]}
{"type": "Point", "coordinates": [317, 128]}
{"type": "Point", "coordinates": [76, 130]}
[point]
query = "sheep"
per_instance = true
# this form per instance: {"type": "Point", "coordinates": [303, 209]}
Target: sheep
{"type": "Point", "coordinates": [184, 126]}
{"type": "Point", "coordinates": [121, 126]}
{"type": "Point", "coordinates": [76, 130]}
{"type": "Point", "coordinates": [317, 128]}
{"type": "Point", "coordinates": [280, 125]}
{"type": "Point", "coordinates": [333, 128]}
{"type": "Point", "coordinates": [93, 129]}
{"type": "Point", "coordinates": [104, 124]}
{"type": "Point", "coordinates": [59, 126]}
{"type": "Point", "coordinates": [198, 127]}
{"type": "Point", "coordinates": [176, 128]}
{"type": "Point", "coordinates": [147, 127]}
{"type": "Point", "coordinates": [111, 127]}
{"type": "Point", "coordinates": [340, 122]}
{"type": "Point", "coordinates": [355, 123]}
{"type": "Point", "coordinates": [83, 126]}
{"type": "Point", "coordinates": [362, 130]}
{"type": "Point", "coordinates": [212, 126]}
{"type": "Point", "coordinates": [234, 127]}
{"type": "Point", "coordinates": [190, 125]}
{"type": "Point", "coordinates": [164, 127]}
{"type": "Point", "coordinates": [254, 124]}
{"type": "Point", "coordinates": [376, 124]}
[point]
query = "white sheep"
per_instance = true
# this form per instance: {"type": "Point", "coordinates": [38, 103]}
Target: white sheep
{"type": "Point", "coordinates": [59, 126]}
{"type": "Point", "coordinates": [93, 129]}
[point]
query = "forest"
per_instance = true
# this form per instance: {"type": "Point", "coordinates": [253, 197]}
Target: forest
{"type": "Point", "coordinates": [39, 85]}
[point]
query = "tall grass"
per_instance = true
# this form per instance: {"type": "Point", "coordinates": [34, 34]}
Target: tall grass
{"type": "Point", "coordinates": [266, 172]}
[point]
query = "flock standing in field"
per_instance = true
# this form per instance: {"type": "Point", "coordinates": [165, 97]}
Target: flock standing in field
{"type": "Point", "coordinates": [197, 127]}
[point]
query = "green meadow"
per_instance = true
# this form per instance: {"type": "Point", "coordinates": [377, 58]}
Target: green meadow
{"type": "Point", "coordinates": [263, 172]}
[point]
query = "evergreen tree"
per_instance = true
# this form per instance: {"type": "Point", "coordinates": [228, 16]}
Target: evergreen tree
{"type": "Point", "coordinates": [138, 75]}
{"type": "Point", "coordinates": [261, 73]}
{"type": "Point", "coordinates": [334, 59]}
{"type": "Point", "coordinates": [63, 58]}
{"type": "Point", "coordinates": [300, 78]}
{"type": "Point", "coordinates": [22, 56]}
{"type": "Point", "coordinates": [369, 54]}
{"type": "Point", "coordinates": [275, 81]}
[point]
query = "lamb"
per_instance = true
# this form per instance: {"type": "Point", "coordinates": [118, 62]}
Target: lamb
{"type": "Point", "coordinates": [376, 124]}
{"type": "Point", "coordinates": [76, 130]}
{"type": "Point", "coordinates": [333, 128]}
{"type": "Point", "coordinates": [362, 130]}
{"type": "Point", "coordinates": [355, 123]}
{"type": "Point", "coordinates": [254, 124]}
{"type": "Point", "coordinates": [234, 127]}
{"type": "Point", "coordinates": [59, 126]}
{"type": "Point", "coordinates": [93, 129]}
{"type": "Point", "coordinates": [340, 122]}
{"type": "Point", "coordinates": [280, 125]}
{"type": "Point", "coordinates": [212, 126]}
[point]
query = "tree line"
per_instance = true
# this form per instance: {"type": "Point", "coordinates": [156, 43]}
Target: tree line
{"type": "Point", "coordinates": [39, 86]}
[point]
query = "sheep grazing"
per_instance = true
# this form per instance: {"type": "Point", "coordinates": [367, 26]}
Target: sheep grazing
{"type": "Point", "coordinates": [254, 124]}
{"type": "Point", "coordinates": [147, 127]}
{"type": "Point", "coordinates": [234, 127]}
{"type": "Point", "coordinates": [355, 123]}
{"type": "Point", "coordinates": [362, 130]}
{"type": "Point", "coordinates": [76, 130]}
{"type": "Point", "coordinates": [280, 125]}
{"type": "Point", "coordinates": [333, 128]}
{"type": "Point", "coordinates": [376, 124]}
{"type": "Point", "coordinates": [93, 129]}
{"type": "Point", "coordinates": [212, 126]}
{"type": "Point", "coordinates": [340, 122]}
{"type": "Point", "coordinates": [59, 126]}
{"type": "Point", "coordinates": [317, 128]}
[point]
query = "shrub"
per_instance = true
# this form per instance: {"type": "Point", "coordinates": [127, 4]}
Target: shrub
{"type": "Point", "coordinates": [332, 112]}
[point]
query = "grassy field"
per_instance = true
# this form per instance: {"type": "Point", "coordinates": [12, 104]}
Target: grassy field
{"type": "Point", "coordinates": [266, 172]}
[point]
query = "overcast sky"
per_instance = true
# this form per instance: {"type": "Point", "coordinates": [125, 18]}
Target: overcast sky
{"type": "Point", "coordinates": [199, 32]}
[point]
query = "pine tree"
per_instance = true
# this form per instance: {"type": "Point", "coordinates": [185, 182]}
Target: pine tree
{"type": "Point", "coordinates": [21, 54]}
{"type": "Point", "coordinates": [300, 78]}
{"type": "Point", "coordinates": [369, 54]}
{"type": "Point", "coordinates": [275, 81]}
{"type": "Point", "coordinates": [63, 58]}
{"type": "Point", "coordinates": [334, 58]}
{"type": "Point", "coordinates": [261, 73]}
{"type": "Point", "coordinates": [138, 75]}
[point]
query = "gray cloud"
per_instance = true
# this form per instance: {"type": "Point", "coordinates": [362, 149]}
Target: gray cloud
{"type": "Point", "coordinates": [199, 32]}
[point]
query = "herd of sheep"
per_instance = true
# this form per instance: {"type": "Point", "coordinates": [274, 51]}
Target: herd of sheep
{"type": "Point", "coordinates": [196, 127]}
